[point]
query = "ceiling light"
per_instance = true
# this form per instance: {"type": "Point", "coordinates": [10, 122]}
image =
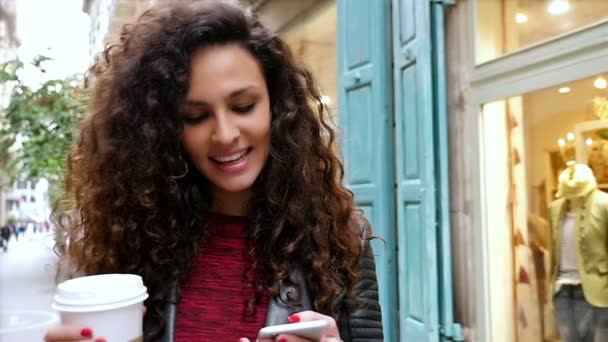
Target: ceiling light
{"type": "Point", "coordinates": [589, 141]}
{"type": "Point", "coordinates": [557, 7]}
{"type": "Point", "coordinates": [600, 83]}
{"type": "Point", "coordinates": [521, 18]}
{"type": "Point", "coordinates": [561, 142]}
{"type": "Point", "coordinates": [564, 90]}
{"type": "Point", "coordinates": [570, 136]}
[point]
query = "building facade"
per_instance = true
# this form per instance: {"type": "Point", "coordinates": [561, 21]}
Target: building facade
{"type": "Point", "coordinates": [107, 18]}
{"type": "Point", "coordinates": [28, 201]}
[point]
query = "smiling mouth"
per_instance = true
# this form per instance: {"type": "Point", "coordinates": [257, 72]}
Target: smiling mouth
{"type": "Point", "coordinates": [233, 158]}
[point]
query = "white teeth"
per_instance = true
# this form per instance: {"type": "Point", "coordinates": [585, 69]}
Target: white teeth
{"type": "Point", "coordinates": [230, 158]}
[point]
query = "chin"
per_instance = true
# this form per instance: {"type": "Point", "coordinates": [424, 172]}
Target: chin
{"type": "Point", "coordinates": [236, 186]}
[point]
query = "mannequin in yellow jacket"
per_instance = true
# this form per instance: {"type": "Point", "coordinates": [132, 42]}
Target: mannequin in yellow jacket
{"type": "Point", "coordinates": [580, 293]}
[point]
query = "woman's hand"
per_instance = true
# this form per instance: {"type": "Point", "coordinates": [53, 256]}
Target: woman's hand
{"type": "Point", "coordinates": [67, 333]}
{"type": "Point", "coordinates": [331, 334]}
{"type": "Point", "coordinates": [71, 333]}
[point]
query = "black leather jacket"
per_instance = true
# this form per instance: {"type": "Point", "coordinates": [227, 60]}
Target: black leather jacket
{"type": "Point", "coordinates": [362, 324]}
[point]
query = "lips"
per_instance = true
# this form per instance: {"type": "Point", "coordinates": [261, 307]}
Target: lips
{"type": "Point", "coordinates": [231, 158]}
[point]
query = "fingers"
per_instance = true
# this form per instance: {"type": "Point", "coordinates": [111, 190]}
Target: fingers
{"type": "Point", "coordinates": [68, 333]}
{"type": "Point", "coordinates": [306, 316]}
{"type": "Point", "coordinates": [290, 338]}
{"type": "Point", "coordinates": [331, 334]}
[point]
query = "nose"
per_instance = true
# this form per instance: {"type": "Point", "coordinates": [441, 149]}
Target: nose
{"type": "Point", "coordinates": [225, 130]}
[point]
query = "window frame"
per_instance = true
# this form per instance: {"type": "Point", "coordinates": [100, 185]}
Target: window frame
{"type": "Point", "coordinates": [571, 56]}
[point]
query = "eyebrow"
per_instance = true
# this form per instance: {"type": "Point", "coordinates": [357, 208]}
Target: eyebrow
{"type": "Point", "coordinates": [232, 95]}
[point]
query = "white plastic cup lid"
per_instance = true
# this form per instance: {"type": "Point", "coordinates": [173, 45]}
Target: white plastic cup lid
{"type": "Point", "coordinates": [99, 292]}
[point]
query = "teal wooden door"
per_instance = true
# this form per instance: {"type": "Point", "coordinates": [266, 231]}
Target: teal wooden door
{"type": "Point", "coordinates": [423, 233]}
{"type": "Point", "coordinates": [417, 257]}
{"type": "Point", "coordinates": [366, 120]}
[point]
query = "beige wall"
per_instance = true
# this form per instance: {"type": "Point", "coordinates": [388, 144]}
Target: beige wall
{"type": "Point", "coordinates": [313, 40]}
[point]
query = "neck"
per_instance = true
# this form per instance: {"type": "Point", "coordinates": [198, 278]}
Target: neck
{"type": "Point", "coordinates": [574, 203]}
{"type": "Point", "coordinates": [231, 203]}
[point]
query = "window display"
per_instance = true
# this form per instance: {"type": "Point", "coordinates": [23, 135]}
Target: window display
{"type": "Point", "coordinates": [579, 271]}
{"type": "Point", "coordinates": [552, 145]}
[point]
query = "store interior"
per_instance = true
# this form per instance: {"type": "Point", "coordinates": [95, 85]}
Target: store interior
{"type": "Point", "coordinates": [527, 141]}
{"type": "Point", "coordinates": [551, 119]}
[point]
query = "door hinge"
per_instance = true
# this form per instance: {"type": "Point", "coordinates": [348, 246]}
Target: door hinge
{"type": "Point", "coordinates": [444, 2]}
{"type": "Point", "coordinates": [452, 332]}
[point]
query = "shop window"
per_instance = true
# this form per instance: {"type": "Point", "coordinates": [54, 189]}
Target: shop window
{"type": "Point", "coordinates": [505, 26]}
{"type": "Point", "coordinates": [528, 141]}
{"type": "Point", "coordinates": [21, 184]}
{"type": "Point", "coordinates": [12, 205]}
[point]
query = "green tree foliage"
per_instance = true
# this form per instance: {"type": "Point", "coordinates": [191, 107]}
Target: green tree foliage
{"type": "Point", "coordinates": [38, 125]}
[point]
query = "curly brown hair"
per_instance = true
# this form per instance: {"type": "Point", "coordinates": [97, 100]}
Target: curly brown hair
{"type": "Point", "coordinates": [141, 208]}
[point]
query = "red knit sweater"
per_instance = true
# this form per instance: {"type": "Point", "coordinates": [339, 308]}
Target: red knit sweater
{"type": "Point", "coordinates": [212, 303]}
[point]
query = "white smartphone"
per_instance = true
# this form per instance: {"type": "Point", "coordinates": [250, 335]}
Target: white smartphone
{"type": "Point", "coordinates": [312, 330]}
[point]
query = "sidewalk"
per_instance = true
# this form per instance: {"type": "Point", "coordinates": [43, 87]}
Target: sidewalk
{"type": "Point", "coordinates": [27, 272]}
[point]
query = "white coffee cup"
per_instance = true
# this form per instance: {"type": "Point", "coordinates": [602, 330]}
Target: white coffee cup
{"type": "Point", "coordinates": [25, 325]}
{"type": "Point", "coordinates": [110, 304]}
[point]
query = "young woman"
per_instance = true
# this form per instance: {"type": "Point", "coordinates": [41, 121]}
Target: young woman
{"type": "Point", "coordinates": [206, 166]}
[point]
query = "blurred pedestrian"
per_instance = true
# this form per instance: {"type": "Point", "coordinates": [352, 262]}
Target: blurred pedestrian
{"type": "Point", "coordinates": [15, 231]}
{"type": "Point", "coordinates": [5, 234]}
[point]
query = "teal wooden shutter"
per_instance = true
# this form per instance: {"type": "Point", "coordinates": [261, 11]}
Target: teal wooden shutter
{"type": "Point", "coordinates": [365, 116]}
{"type": "Point", "coordinates": [424, 269]}
{"type": "Point", "coordinates": [417, 257]}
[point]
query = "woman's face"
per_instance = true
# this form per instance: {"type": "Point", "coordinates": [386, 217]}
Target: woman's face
{"type": "Point", "coordinates": [226, 117]}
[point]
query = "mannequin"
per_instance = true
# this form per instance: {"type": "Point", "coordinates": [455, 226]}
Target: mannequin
{"type": "Point", "coordinates": [579, 226]}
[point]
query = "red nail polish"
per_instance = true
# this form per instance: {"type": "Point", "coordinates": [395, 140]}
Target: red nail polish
{"type": "Point", "coordinates": [293, 319]}
{"type": "Point", "coordinates": [86, 332]}
{"type": "Point", "coordinates": [282, 339]}
{"type": "Point", "coordinates": [104, 340]}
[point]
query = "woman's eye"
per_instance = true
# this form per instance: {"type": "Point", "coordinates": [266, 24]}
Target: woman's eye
{"type": "Point", "coordinates": [243, 109]}
{"type": "Point", "coordinates": [194, 119]}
